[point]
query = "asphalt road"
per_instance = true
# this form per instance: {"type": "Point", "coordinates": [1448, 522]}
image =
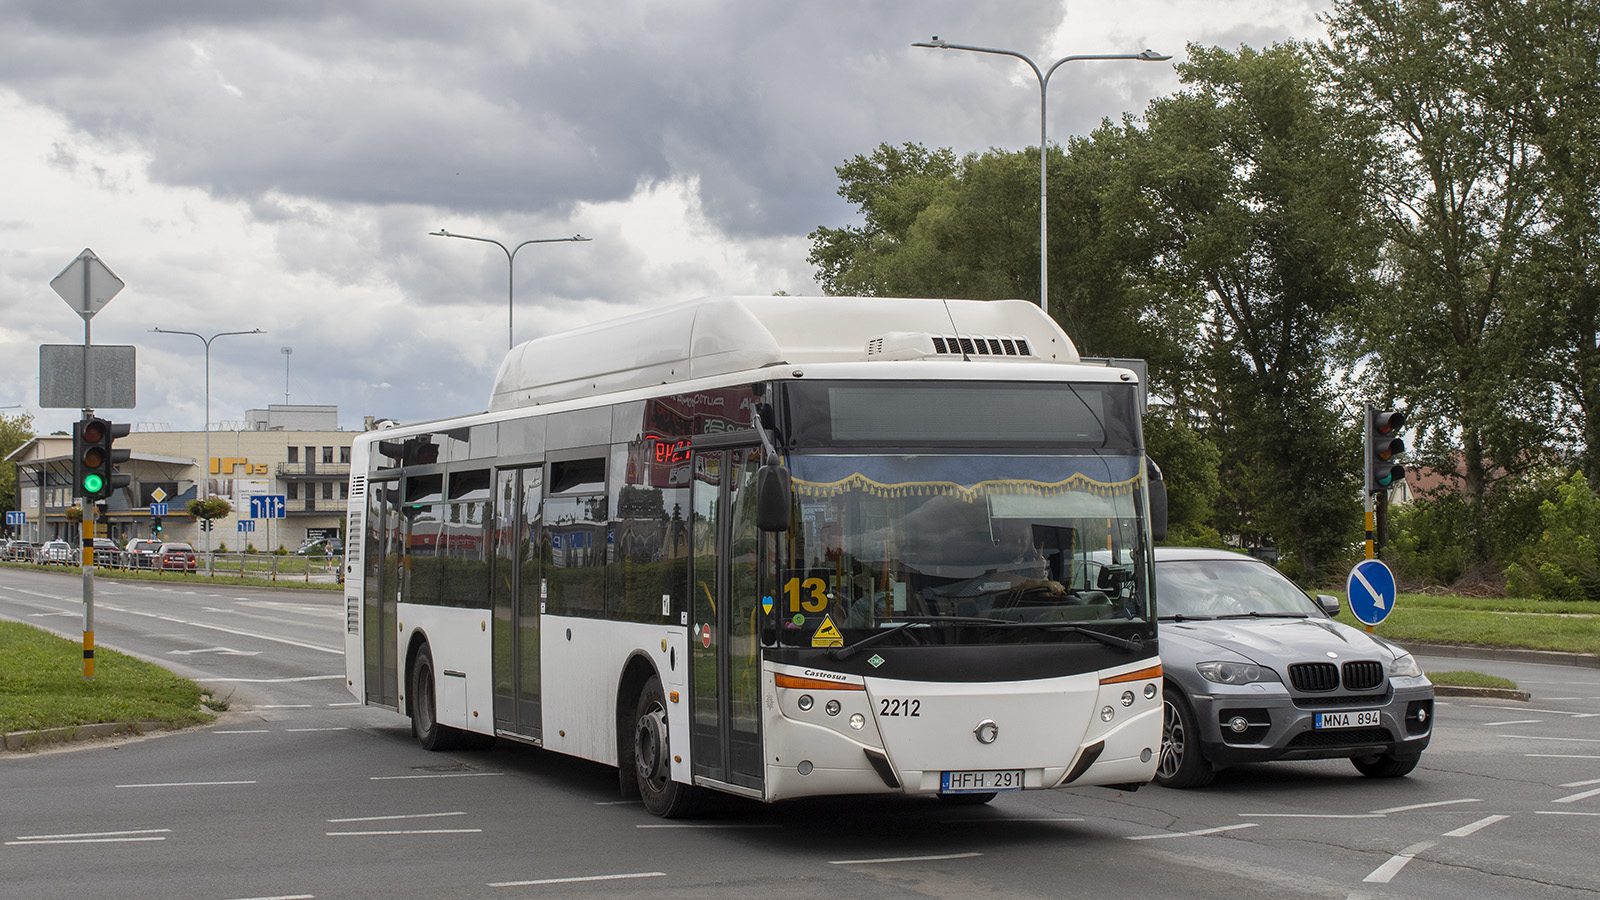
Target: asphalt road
{"type": "Point", "coordinates": [299, 793]}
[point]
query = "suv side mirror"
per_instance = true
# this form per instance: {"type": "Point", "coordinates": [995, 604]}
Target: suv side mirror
{"type": "Point", "coordinates": [1329, 604]}
{"type": "Point", "coordinates": [773, 503]}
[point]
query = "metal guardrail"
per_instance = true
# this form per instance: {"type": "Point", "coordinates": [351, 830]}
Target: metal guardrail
{"type": "Point", "coordinates": [264, 566]}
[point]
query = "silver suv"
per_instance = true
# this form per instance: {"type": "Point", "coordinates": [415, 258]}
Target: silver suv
{"type": "Point", "coordinates": [1256, 670]}
{"type": "Point", "coordinates": [141, 553]}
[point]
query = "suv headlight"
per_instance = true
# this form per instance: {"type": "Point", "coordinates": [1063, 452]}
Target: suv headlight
{"type": "Point", "coordinates": [1235, 672]}
{"type": "Point", "coordinates": [1405, 666]}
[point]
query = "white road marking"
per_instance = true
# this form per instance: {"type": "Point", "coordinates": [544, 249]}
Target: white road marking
{"type": "Point", "coordinates": [391, 833]}
{"type": "Point", "coordinates": [1531, 737]}
{"type": "Point", "coordinates": [282, 897]}
{"type": "Point", "coordinates": [576, 879]}
{"type": "Point", "coordinates": [391, 818]}
{"type": "Point", "coordinates": [225, 651]}
{"type": "Point", "coordinates": [1559, 756]}
{"type": "Point", "coordinates": [1310, 815]}
{"type": "Point", "coordinates": [208, 679]}
{"type": "Point", "coordinates": [92, 837]}
{"type": "Point", "coordinates": [304, 730]}
{"type": "Point", "coordinates": [1479, 825]}
{"type": "Point", "coordinates": [1563, 812]}
{"type": "Point", "coordinates": [618, 802]}
{"type": "Point", "coordinates": [185, 784]}
{"type": "Point", "coordinates": [1200, 833]}
{"type": "Point", "coordinates": [1574, 798]}
{"type": "Point", "coordinates": [436, 775]}
{"type": "Point", "coordinates": [1512, 722]}
{"type": "Point", "coordinates": [1395, 809]}
{"type": "Point", "coordinates": [1383, 873]}
{"type": "Point", "coordinates": [900, 859]}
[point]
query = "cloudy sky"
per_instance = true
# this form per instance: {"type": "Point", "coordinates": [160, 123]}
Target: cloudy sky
{"type": "Point", "coordinates": [279, 165]}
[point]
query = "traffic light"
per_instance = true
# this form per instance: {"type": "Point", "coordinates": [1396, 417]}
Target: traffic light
{"type": "Point", "coordinates": [155, 526]}
{"type": "Point", "coordinates": [94, 460]}
{"type": "Point", "coordinates": [1383, 446]}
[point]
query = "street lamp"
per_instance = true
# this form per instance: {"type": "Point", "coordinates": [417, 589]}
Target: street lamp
{"type": "Point", "coordinates": [205, 469]}
{"type": "Point", "coordinates": [287, 352]}
{"type": "Point", "coordinates": [511, 261]}
{"type": "Point", "coordinates": [1044, 83]}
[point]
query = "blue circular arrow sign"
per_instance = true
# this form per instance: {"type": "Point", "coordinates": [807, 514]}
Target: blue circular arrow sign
{"type": "Point", "coordinates": [1371, 590]}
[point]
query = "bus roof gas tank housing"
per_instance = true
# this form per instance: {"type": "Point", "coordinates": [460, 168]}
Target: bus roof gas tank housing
{"type": "Point", "coordinates": [722, 335]}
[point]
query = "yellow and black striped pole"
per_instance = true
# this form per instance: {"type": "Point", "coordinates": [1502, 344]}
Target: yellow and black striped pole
{"type": "Point", "coordinates": [87, 549]}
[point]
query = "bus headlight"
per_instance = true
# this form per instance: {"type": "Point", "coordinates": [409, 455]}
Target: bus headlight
{"type": "Point", "coordinates": [858, 721]}
{"type": "Point", "coordinates": [832, 708]}
{"type": "Point", "coordinates": [805, 702]}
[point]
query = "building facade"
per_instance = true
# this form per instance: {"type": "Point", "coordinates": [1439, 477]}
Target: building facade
{"type": "Point", "coordinates": [297, 452]}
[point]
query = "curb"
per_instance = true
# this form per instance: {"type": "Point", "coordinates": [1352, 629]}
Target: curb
{"type": "Point", "coordinates": [1547, 657]}
{"type": "Point", "coordinates": [33, 740]}
{"type": "Point", "coordinates": [1483, 693]}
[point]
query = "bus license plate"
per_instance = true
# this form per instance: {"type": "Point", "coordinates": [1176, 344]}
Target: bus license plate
{"type": "Point", "coordinates": [983, 780]}
{"type": "Point", "coordinates": [1356, 718]}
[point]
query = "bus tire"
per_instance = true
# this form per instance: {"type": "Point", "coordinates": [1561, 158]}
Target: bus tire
{"type": "Point", "coordinates": [652, 757]}
{"type": "Point", "coordinates": [425, 725]}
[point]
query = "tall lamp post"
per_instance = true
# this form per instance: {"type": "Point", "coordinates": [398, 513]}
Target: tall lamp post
{"type": "Point", "coordinates": [1044, 84]}
{"type": "Point", "coordinates": [511, 263]}
{"type": "Point", "coordinates": [205, 468]}
{"type": "Point", "coordinates": [287, 352]}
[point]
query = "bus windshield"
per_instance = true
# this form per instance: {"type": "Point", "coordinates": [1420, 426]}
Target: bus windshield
{"type": "Point", "coordinates": [955, 539]}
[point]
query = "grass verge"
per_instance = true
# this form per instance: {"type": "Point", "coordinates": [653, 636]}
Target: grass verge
{"type": "Point", "coordinates": [1470, 679]}
{"type": "Point", "coordinates": [1525, 624]}
{"type": "Point", "coordinates": [42, 686]}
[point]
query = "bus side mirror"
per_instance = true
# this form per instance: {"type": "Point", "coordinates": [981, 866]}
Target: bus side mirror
{"type": "Point", "coordinates": [1158, 510]}
{"type": "Point", "coordinates": [773, 503]}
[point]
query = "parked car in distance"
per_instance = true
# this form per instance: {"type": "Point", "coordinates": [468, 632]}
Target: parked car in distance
{"type": "Point", "coordinates": [141, 553]}
{"type": "Point", "coordinates": [322, 547]}
{"type": "Point", "coordinates": [22, 551]}
{"type": "Point", "coordinates": [107, 554]}
{"type": "Point", "coordinates": [1257, 670]}
{"type": "Point", "coordinates": [57, 552]}
{"type": "Point", "coordinates": [175, 556]}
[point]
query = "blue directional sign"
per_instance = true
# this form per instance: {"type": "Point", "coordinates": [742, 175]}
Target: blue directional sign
{"type": "Point", "coordinates": [16, 517]}
{"type": "Point", "coordinates": [247, 525]}
{"type": "Point", "coordinates": [267, 506]}
{"type": "Point", "coordinates": [158, 509]}
{"type": "Point", "coordinates": [1372, 591]}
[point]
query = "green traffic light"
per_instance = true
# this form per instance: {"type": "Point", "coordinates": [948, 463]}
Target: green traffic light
{"type": "Point", "coordinates": [93, 482]}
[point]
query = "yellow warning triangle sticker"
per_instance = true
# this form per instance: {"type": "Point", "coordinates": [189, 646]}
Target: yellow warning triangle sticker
{"type": "Point", "coordinates": [827, 634]}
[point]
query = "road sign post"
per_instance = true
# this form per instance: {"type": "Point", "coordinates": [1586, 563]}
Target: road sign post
{"type": "Point", "coordinates": [1372, 591]}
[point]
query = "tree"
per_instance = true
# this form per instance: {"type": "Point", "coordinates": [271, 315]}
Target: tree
{"type": "Point", "coordinates": [1458, 191]}
{"type": "Point", "coordinates": [15, 430]}
{"type": "Point", "coordinates": [1257, 178]}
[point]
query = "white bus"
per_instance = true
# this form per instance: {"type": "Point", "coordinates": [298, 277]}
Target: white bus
{"type": "Point", "coordinates": [775, 547]}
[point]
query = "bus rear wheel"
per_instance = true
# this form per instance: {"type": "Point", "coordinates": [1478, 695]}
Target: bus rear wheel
{"type": "Point", "coordinates": [652, 757]}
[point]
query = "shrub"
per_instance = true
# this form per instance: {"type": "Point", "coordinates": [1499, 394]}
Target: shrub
{"type": "Point", "coordinates": [1564, 564]}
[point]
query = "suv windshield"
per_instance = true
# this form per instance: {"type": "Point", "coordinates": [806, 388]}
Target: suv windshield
{"type": "Point", "coordinates": [1212, 588]}
{"type": "Point", "coordinates": [988, 543]}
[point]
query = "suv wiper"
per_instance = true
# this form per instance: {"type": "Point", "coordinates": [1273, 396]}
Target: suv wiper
{"type": "Point", "coordinates": [907, 622]}
{"type": "Point", "coordinates": [1186, 617]}
{"type": "Point", "coordinates": [1264, 615]}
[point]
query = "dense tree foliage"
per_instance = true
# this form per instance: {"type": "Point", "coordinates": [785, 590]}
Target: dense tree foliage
{"type": "Point", "coordinates": [15, 430]}
{"type": "Point", "coordinates": [1407, 212]}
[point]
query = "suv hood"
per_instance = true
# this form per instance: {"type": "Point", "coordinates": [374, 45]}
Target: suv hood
{"type": "Point", "coordinates": [1271, 642]}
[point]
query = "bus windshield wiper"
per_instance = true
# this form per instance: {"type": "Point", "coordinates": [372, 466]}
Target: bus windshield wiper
{"type": "Point", "coordinates": [907, 622]}
{"type": "Point", "coordinates": [1132, 646]}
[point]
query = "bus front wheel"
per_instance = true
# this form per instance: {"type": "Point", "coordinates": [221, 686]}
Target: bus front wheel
{"type": "Point", "coordinates": [652, 757]}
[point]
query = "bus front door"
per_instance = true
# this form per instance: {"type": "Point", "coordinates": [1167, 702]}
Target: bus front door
{"type": "Point", "coordinates": [725, 611]}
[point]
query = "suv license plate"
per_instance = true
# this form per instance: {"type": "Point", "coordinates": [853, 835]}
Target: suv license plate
{"type": "Point", "coordinates": [983, 780]}
{"type": "Point", "coordinates": [1363, 718]}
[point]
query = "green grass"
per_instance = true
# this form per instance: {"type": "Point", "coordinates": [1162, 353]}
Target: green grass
{"type": "Point", "coordinates": [1525, 624]}
{"type": "Point", "coordinates": [42, 686]}
{"type": "Point", "coordinates": [1470, 679]}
